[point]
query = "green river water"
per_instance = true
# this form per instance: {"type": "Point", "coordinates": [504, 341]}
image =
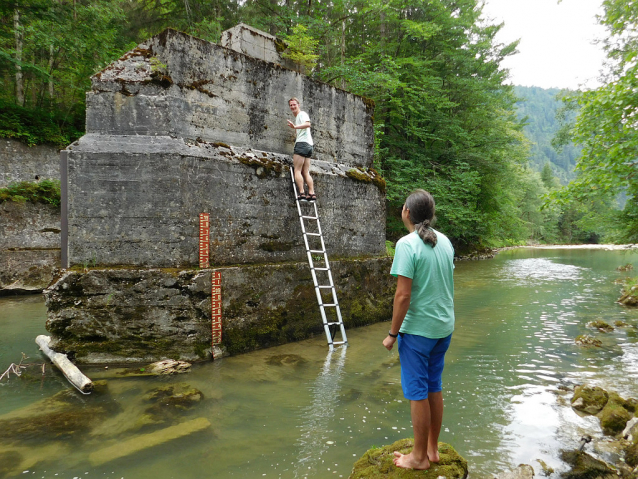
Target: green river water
{"type": "Point", "coordinates": [296, 411]}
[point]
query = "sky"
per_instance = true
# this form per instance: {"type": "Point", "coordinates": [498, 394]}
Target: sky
{"type": "Point", "coordinates": [556, 48]}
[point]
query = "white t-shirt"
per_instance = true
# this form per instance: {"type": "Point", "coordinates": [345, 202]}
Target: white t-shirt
{"type": "Point", "coordinates": [303, 134]}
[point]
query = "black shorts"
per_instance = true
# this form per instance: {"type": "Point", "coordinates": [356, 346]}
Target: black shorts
{"type": "Point", "coordinates": [303, 149]}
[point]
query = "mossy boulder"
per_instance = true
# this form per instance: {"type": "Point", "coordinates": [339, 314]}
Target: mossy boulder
{"type": "Point", "coordinates": [587, 340]}
{"type": "Point", "coordinates": [586, 467]}
{"type": "Point", "coordinates": [177, 396]}
{"type": "Point", "coordinates": [589, 399]}
{"type": "Point", "coordinates": [631, 454]}
{"type": "Point", "coordinates": [378, 463]}
{"type": "Point", "coordinates": [614, 416]}
{"type": "Point", "coordinates": [601, 326]}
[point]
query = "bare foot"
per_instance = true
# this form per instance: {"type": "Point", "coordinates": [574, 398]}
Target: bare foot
{"type": "Point", "coordinates": [407, 461]}
{"type": "Point", "coordinates": [433, 456]}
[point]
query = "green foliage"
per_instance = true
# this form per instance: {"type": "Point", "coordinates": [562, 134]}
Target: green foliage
{"type": "Point", "coordinates": [302, 48]}
{"type": "Point", "coordinates": [607, 126]}
{"type": "Point", "coordinates": [45, 191]}
{"type": "Point", "coordinates": [40, 125]}
{"type": "Point", "coordinates": [389, 247]}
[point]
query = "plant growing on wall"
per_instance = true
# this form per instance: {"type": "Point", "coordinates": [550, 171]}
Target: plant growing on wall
{"type": "Point", "coordinates": [302, 48]}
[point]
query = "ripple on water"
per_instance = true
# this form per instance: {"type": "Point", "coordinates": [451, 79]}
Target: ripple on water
{"type": "Point", "coordinates": [532, 270]}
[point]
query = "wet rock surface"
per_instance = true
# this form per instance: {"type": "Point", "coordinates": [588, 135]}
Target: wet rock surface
{"type": "Point", "coordinates": [589, 399]}
{"type": "Point", "coordinates": [129, 315]}
{"type": "Point", "coordinates": [378, 463]}
{"type": "Point", "coordinates": [584, 466]}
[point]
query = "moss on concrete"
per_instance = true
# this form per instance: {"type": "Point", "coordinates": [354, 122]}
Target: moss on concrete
{"type": "Point", "coordinates": [378, 463]}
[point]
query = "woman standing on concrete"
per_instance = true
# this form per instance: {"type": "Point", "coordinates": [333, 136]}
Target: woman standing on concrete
{"type": "Point", "coordinates": [303, 151]}
{"type": "Point", "coordinates": [422, 321]}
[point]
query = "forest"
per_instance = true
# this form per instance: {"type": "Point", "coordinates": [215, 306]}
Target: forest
{"type": "Point", "coordinates": [446, 119]}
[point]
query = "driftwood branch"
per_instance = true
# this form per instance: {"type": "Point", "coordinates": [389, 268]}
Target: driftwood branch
{"type": "Point", "coordinates": [70, 371]}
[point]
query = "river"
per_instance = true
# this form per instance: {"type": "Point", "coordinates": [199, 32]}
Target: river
{"type": "Point", "coordinates": [296, 411]}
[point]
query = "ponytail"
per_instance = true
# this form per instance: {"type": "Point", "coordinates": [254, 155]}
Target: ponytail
{"type": "Point", "coordinates": [422, 209]}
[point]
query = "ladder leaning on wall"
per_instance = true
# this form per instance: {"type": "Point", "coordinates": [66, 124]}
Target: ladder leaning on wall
{"type": "Point", "coordinates": [330, 326]}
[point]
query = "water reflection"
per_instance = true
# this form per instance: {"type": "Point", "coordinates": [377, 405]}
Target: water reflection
{"type": "Point", "coordinates": [315, 435]}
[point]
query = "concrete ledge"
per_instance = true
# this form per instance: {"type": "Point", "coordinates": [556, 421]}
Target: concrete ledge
{"type": "Point", "coordinates": [133, 315]}
{"type": "Point", "coordinates": [136, 201]}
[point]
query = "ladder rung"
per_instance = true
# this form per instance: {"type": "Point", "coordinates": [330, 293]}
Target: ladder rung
{"type": "Point", "coordinates": [338, 342]}
{"type": "Point", "coordinates": [325, 287]}
{"type": "Point", "coordinates": [310, 217]}
{"type": "Point", "coordinates": [316, 251]}
{"type": "Point", "coordinates": [331, 324]}
{"type": "Point", "coordinates": [328, 305]}
{"type": "Point", "coordinates": [321, 269]}
{"type": "Point", "coordinates": [313, 234]}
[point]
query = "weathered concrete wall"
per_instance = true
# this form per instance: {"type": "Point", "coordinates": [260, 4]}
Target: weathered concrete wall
{"type": "Point", "coordinates": [177, 85]}
{"type": "Point", "coordinates": [29, 246]}
{"type": "Point", "coordinates": [136, 201]}
{"type": "Point", "coordinates": [19, 162]}
{"type": "Point", "coordinates": [123, 315]}
{"type": "Point", "coordinates": [257, 44]}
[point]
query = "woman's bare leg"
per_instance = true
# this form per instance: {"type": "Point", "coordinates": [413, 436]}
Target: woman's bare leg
{"type": "Point", "coordinates": [306, 175]}
{"type": "Point", "coordinates": [298, 164]}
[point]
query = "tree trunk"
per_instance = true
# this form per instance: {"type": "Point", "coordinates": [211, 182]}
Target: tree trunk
{"type": "Point", "coordinates": [19, 38]}
{"type": "Point", "coordinates": [343, 49]}
{"type": "Point", "coordinates": [51, 72]}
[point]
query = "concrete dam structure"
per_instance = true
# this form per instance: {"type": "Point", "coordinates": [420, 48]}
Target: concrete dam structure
{"type": "Point", "coordinates": [177, 127]}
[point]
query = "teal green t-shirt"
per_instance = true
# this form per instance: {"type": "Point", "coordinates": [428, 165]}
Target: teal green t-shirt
{"type": "Point", "coordinates": [431, 312]}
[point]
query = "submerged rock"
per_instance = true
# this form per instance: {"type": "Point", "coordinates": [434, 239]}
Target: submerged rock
{"type": "Point", "coordinates": [378, 463]}
{"type": "Point", "coordinates": [588, 399]}
{"type": "Point", "coordinates": [168, 366]}
{"type": "Point", "coordinates": [524, 471]}
{"type": "Point", "coordinates": [629, 294]}
{"type": "Point", "coordinates": [293, 360]}
{"type": "Point", "coordinates": [586, 467]}
{"type": "Point", "coordinates": [176, 396]}
{"type": "Point", "coordinates": [601, 326]}
{"type": "Point", "coordinates": [587, 340]}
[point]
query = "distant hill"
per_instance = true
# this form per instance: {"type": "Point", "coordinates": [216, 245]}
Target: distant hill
{"type": "Point", "coordinates": [539, 105]}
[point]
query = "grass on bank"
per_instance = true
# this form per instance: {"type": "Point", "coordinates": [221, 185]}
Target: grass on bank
{"type": "Point", "coordinates": [45, 191]}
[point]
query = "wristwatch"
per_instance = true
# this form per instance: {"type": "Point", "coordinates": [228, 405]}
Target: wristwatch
{"type": "Point", "coordinates": [392, 335]}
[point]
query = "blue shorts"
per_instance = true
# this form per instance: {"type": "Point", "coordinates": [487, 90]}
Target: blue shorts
{"type": "Point", "coordinates": [422, 362]}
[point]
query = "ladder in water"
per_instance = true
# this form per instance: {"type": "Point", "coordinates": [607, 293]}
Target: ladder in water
{"type": "Point", "coordinates": [330, 327]}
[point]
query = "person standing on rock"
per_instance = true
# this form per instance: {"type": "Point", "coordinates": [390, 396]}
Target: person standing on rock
{"type": "Point", "coordinates": [422, 323]}
{"type": "Point", "coordinates": [303, 151]}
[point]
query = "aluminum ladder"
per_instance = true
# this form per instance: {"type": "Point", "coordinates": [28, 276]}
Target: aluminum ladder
{"type": "Point", "coordinates": [330, 327]}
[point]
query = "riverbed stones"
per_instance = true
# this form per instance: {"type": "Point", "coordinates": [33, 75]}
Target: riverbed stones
{"type": "Point", "coordinates": [601, 326]}
{"type": "Point", "coordinates": [378, 463]}
{"type": "Point", "coordinates": [589, 399]}
{"type": "Point", "coordinates": [168, 367]}
{"type": "Point", "coordinates": [523, 471]}
{"type": "Point", "coordinates": [587, 340]}
{"type": "Point", "coordinates": [584, 466]}
{"type": "Point", "coordinates": [615, 414]}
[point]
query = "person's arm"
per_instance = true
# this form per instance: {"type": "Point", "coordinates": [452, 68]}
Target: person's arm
{"type": "Point", "coordinates": [401, 306]}
{"type": "Point", "coordinates": [304, 125]}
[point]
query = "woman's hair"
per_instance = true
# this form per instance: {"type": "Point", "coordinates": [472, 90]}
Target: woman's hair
{"type": "Point", "coordinates": [421, 206]}
{"type": "Point", "coordinates": [294, 99]}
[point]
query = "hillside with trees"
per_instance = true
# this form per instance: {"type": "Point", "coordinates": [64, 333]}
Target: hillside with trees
{"type": "Point", "coordinates": [538, 108]}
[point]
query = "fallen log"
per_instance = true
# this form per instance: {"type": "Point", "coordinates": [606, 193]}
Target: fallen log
{"type": "Point", "coordinates": [70, 371]}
